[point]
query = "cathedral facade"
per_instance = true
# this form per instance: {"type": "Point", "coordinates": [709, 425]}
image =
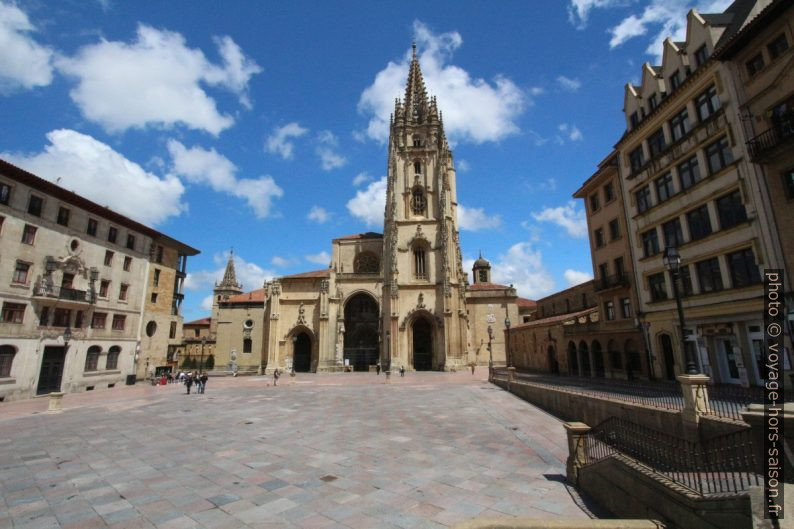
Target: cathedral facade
{"type": "Point", "coordinates": [401, 298]}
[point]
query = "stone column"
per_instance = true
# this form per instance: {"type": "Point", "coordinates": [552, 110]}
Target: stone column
{"type": "Point", "coordinates": [696, 402]}
{"type": "Point", "coordinates": [55, 402]}
{"type": "Point", "coordinates": [577, 456]}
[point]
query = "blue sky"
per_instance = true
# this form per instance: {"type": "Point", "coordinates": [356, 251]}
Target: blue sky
{"type": "Point", "coordinates": [261, 125]}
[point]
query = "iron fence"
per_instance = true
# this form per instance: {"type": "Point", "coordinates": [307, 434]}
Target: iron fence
{"type": "Point", "coordinates": [722, 465]}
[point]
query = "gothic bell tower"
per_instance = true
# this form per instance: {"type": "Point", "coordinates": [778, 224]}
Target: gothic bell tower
{"type": "Point", "coordinates": [424, 305]}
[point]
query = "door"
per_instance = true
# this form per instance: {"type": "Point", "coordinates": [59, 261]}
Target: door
{"type": "Point", "coordinates": [51, 370]}
{"type": "Point", "coordinates": [302, 355]}
{"type": "Point", "coordinates": [669, 357]}
{"type": "Point", "coordinates": [423, 345]}
{"type": "Point", "coordinates": [729, 363]}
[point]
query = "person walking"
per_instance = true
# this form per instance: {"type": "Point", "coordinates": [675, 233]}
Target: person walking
{"type": "Point", "coordinates": [276, 374]}
{"type": "Point", "coordinates": [402, 371]}
{"type": "Point", "coordinates": [188, 383]}
{"type": "Point", "coordinates": [377, 368]}
{"type": "Point", "coordinates": [472, 368]}
{"type": "Point", "coordinates": [203, 378]}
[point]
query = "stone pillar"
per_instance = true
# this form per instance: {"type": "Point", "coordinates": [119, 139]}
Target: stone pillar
{"type": "Point", "coordinates": [55, 402]}
{"type": "Point", "coordinates": [577, 457]}
{"type": "Point", "coordinates": [696, 402]}
{"type": "Point", "coordinates": [511, 373]}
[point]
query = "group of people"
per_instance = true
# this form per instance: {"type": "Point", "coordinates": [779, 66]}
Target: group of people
{"type": "Point", "coordinates": [189, 379]}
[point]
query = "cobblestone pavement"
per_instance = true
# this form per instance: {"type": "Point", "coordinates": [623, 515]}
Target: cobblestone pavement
{"type": "Point", "coordinates": [336, 450]}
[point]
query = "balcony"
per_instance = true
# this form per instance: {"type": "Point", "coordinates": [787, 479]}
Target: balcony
{"type": "Point", "coordinates": [776, 140]}
{"type": "Point", "coordinates": [63, 294]}
{"type": "Point", "coordinates": [614, 281]}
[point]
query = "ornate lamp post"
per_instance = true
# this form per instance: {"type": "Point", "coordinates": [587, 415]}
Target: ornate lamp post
{"type": "Point", "coordinates": [672, 260]}
{"type": "Point", "coordinates": [67, 336]}
{"type": "Point", "coordinates": [509, 357]}
{"type": "Point", "coordinates": [201, 364]}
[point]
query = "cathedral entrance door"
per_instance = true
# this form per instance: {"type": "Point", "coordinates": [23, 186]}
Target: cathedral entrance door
{"type": "Point", "coordinates": [302, 353]}
{"type": "Point", "coordinates": [361, 332]}
{"type": "Point", "coordinates": [423, 345]}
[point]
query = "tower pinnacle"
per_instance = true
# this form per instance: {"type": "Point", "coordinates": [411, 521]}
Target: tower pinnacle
{"type": "Point", "coordinates": [229, 281]}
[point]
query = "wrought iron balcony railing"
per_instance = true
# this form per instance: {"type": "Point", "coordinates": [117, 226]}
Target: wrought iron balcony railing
{"type": "Point", "coordinates": [766, 143]}
{"type": "Point", "coordinates": [617, 280]}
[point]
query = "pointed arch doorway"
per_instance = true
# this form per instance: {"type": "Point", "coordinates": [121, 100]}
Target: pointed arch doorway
{"type": "Point", "coordinates": [302, 353]}
{"type": "Point", "coordinates": [422, 331]}
{"type": "Point", "coordinates": [361, 332]}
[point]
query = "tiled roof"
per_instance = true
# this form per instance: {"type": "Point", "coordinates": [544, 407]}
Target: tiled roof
{"type": "Point", "coordinates": [357, 236]}
{"type": "Point", "coordinates": [308, 275]}
{"type": "Point", "coordinates": [524, 302]}
{"type": "Point", "coordinates": [558, 318]}
{"type": "Point", "coordinates": [248, 297]}
{"type": "Point", "coordinates": [486, 286]}
{"type": "Point", "coordinates": [202, 321]}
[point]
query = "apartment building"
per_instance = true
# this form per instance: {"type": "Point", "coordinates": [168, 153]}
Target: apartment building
{"type": "Point", "coordinates": [72, 289]}
{"type": "Point", "coordinates": [690, 184]}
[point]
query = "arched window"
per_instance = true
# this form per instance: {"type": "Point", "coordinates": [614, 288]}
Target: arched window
{"type": "Point", "coordinates": [483, 275]}
{"type": "Point", "coordinates": [7, 353]}
{"type": "Point", "coordinates": [418, 201]}
{"type": "Point", "coordinates": [247, 345]}
{"type": "Point", "coordinates": [420, 264]}
{"type": "Point", "coordinates": [366, 263]}
{"type": "Point", "coordinates": [418, 167]}
{"type": "Point", "coordinates": [113, 357]}
{"type": "Point", "coordinates": [92, 358]}
{"type": "Point", "coordinates": [417, 140]}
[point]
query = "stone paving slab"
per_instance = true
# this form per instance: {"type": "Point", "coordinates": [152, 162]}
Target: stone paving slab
{"type": "Point", "coordinates": [320, 451]}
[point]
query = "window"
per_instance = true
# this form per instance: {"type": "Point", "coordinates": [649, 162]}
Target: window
{"type": "Point", "coordinates": [91, 227]}
{"type": "Point", "coordinates": [673, 236]}
{"type": "Point", "coordinates": [599, 237]}
{"type": "Point", "coordinates": [643, 197]}
{"type": "Point", "coordinates": [657, 286]}
{"type": "Point", "coordinates": [61, 317]}
{"type": "Point", "coordinates": [609, 310]}
{"type": "Point", "coordinates": [483, 276]}
{"type": "Point", "coordinates": [196, 332]}
{"type": "Point", "coordinates": [679, 125]}
{"type": "Point", "coordinates": [594, 202]}
{"type": "Point", "coordinates": [108, 258]}
{"type": "Point", "coordinates": [609, 192]}
{"type": "Point", "coordinates": [113, 233]}
{"type": "Point", "coordinates": [709, 275]}
{"type": "Point", "coordinates": [730, 210]}
{"type": "Point", "coordinates": [718, 155]}
{"type": "Point", "coordinates": [603, 272]}
{"type": "Point", "coordinates": [417, 140]}
{"type": "Point", "coordinates": [78, 319]}
{"type": "Point", "coordinates": [44, 316]}
{"type": "Point", "coordinates": [156, 279]}
{"type": "Point", "coordinates": [620, 270]}
{"type": "Point", "coordinates": [689, 173]}
{"type": "Point", "coordinates": [159, 257]}
{"type": "Point", "coordinates": [650, 243]}
{"type": "Point", "coordinates": [118, 322]}
{"type": "Point", "coordinates": [419, 264]}
{"type": "Point", "coordinates": [699, 222]}
{"type": "Point", "coordinates": [130, 241]}
{"type": "Point", "coordinates": [7, 353]}
{"type": "Point", "coordinates": [20, 276]}
{"type": "Point", "coordinates": [98, 320]}
{"type": "Point", "coordinates": [707, 103]}
{"type": "Point", "coordinates": [614, 229]}
{"type": "Point", "coordinates": [755, 64]}
{"type": "Point", "coordinates": [63, 216]}
{"type": "Point", "coordinates": [686, 280]}
{"type": "Point", "coordinates": [625, 308]}
{"type": "Point", "coordinates": [675, 80]}
{"type": "Point", "coordinates": [664, 187]}
{"type": "Point", "coordinates": [777, 46]}
{"type": "Point", "coordinates": [127, 263]}
{"type": "Point", "coordinates": [67, 281]}
{"type": "Point", "coordinates": [418, 201]}
{"type": "Point", "coordinates": [656, 143]}
{"type": "Point", "coordinates": [634, 119]}
{"type": "Point", "coordinates": [652, 103]}
{"type": "Point", "coordinates": [113, 357]}
{"type": "Point", "coordinates": [701, 55]}
{"type": "Point", "coordinates": [123, 292]}
{"type": "Point", "coordinates": [247, 345]}
{"type": "Point", "coordinates": [172, 330]}
{"type": "Point", "coordinates": [154, 297]}
{"type": "Point", "coordinates": [104, 285]}
{"type": "Point", "coordinates": [151, 328]}
{"type": "Point", "coordinates": [418, 167]}
{"type": "Point", "coordinates": [5, 193]}
{"type": "Point", "coordinates": [636, 159]}
{"type": "Point", "coordinates": [28, 234]}
{"type": "Point", "coordinates": [92, 358]}
{"type": "Point", "coordinates": [12, 312]}
{"type": "Point", "coordinates": [34, 205]}
{"type": "Point", "coordinates": [744, 271]}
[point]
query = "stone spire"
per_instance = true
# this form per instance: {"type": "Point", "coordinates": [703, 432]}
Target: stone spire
{"type": "Point", "coordinates": [229, 282]}
{"type": "Point", "coordinates": [416, 104]}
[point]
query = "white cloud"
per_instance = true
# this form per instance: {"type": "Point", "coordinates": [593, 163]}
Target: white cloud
{"type": "Point", "coordinates": [463, 166]}
{"type": "Point", "coordinates": [579, 10]}
{"type": "Point", "coordinates": [200, 166]}
{"type": "Point", "coordinates": [361, 178]}
{"type": "Point", "coordinates": [570, 132]}
{"type": "Point", "coordinates": [475, 219]}
{"type": "Point", "coordinates": [281, 262]}
{"type": "Point", "coordinates": [278, 142]}
{"type": "Point", "coordinates": [90, 168]}
{"type": "Point", "coordinates": [522, 266]}
{"type": "Point", "coordinates": [549, 184]}
{"type": "Point", "coordinates": [319, 215]}
{"type": "Point", "coordinates": [474, 109]}
{"type": "Point", "coordinates": [575, 277]}
{"type": "Point", "coordinates": [250, 275]}
{"type": "Point", "coordinates": [322, 258]}
{"type": "Point", "coordinates": [329, 158]}
{"type": "Point", "coordinates": [571, 85]}
{"type": "Point", "coordinates": [24, 63]}
{"type": "Point", "coordinates": [206, 303]}
{"type": "Point", "coordinates": [156, 80]}
{"type": "Point", "coordinates": [537, 90]}
{"type": "Point", "coordinates": [369, 204]}
{"type": "Point", "coordinates": [568, 217]}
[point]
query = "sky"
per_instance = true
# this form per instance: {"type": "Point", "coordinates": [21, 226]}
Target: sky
{"type": "Point", "coordinates": [261, 126]}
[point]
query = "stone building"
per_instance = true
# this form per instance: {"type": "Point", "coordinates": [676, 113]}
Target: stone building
{"type": "Point", "coordinates": [196, 347]}
{"type": "Point", "coordinates": [400, 298]}
{"type": "Point", "coordinates": [72, 289]}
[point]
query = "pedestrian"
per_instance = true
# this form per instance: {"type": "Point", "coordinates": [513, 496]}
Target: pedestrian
{"type": "Point", "coordinates": [276, 374]}
{"type": "Point", "coordinates": [377, 368]}
{"type": "Point", "coordinates": [203, 379]}
{"type": "Point", "coordinates": [472, 368]}
{"type": "Point", "coordinates": [402, 371]}
{"type": "Point", "coordinates": [188, 383]}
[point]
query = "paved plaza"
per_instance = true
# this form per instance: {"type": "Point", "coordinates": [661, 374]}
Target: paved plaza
{"type": "Point", "coordinates": [336, 450]}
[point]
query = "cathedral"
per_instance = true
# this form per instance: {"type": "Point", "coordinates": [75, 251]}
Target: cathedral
{"type": "Point", "coordinates": [400, 298]}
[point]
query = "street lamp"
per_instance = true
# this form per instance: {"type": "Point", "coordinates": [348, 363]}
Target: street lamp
{"type": "Point", "coordinates": [672, 261]}
{"type": "Point", "coordinates": [201, 364]}
{"type": "Point", "coordinates": [509, 356]}
{"type": "Point", "coordinates": [388, 351]}
{"type": "Point", "coordinates": [490, 350]}
{"type": "Point", "coordinates": [67, 336]}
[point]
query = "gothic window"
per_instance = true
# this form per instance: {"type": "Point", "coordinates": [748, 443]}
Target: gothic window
{"type": "Point", "coordinates": [418, 201]}
{"type": "Point", "coordinates": [418, 167]}
{"type": "Point", "coordinates": [420, 263]}
{"type": "Point", "coordinates": [366, 263]}
{"type": "Point", "coordinates": [417, 140]}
